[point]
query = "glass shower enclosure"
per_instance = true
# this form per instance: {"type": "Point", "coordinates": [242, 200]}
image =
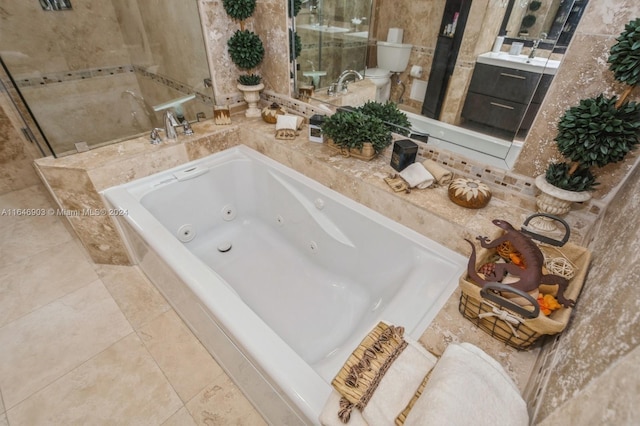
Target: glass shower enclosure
{"type": "Point", "coordinates": [90, 73]}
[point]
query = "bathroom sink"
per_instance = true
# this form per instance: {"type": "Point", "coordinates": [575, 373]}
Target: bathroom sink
{"type": "Point", "coordinates": [315, 76]}
{"type": "Point", "coordinates": [520, 62]}
{"type": "Point", "coordinates": [359, 34]}
{"type": "Point", "coordinates": [323, 28]}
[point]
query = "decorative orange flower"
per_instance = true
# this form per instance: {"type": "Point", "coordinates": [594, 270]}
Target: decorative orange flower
{"type": "Point", "coordinates": [548, 303]}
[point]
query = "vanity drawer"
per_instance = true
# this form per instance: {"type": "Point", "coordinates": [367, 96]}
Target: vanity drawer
{"type": "Point", "coordinates": [493, 111]}
{"type": "Point", "coordinates": [504, 83]}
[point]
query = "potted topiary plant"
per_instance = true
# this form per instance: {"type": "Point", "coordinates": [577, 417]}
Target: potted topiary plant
{"type": "Point", "coordinates": [356, 134]}
{"type": "Point", "coordinates": [388, 112]}
{"type": "Point", "coordinates": [593, 133]}
{"type": "Point", "coordinates": [624, 58]}
{"type": "Point", "coordinates": [246, 51]}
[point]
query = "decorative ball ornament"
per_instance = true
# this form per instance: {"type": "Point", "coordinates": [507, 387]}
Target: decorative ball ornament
{"type": "Point", "coordinates": [469, 193]}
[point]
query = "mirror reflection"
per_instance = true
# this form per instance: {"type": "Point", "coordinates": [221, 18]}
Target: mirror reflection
{"type": "Point", "coordinates": [333, 34]}
{"type": "Point", "coordinates": [475, 75]}
{"type": "Point", "coordinates": [552, 21]}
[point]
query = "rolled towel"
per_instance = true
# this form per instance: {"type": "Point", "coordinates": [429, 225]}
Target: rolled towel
{"type": "Point", "coordinates": [467, 387]}
{"type": "Point", "coordinates": [417, 176]}
{"type": "Point", "coordinates": [440, 174]}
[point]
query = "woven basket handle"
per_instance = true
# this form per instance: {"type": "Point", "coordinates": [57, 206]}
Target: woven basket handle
{"type": "Point", "coordinates": [505, 303]}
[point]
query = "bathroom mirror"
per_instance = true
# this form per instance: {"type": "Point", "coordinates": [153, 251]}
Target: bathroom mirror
{"type": "Point", "coordinates": [553, 22]}
{"type": "Point", "coordinates": [334, 36]}
{"type": "Point", "coordinates": [425, 23]}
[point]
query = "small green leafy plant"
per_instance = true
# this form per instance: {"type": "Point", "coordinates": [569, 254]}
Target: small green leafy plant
{"type": "Point", "coordinates": [390, 114]}
{"type": "Point", "coordinates": [249, 79]}
{"type": "Point", "coordinates": [593, 133]}
{"type": "Point", "coordinates": [581, 180]}
{"type": "Point", "coordinates": [351, 129]}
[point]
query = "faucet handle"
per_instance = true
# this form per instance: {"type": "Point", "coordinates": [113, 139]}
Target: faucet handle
{"type": "Point", "coordinates": [186, 127]}
{"type": "Point", "coordinates": [155, 138]}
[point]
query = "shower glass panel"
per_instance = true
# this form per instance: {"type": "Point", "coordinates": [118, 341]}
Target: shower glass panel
{"type": "Point", "coordinates": [334, 36]}
{"type": "Point", "coordinates": [91, 74]}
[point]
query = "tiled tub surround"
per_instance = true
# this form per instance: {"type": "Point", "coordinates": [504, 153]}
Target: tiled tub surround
{"type": "Point", "coordinates": [76, 180]}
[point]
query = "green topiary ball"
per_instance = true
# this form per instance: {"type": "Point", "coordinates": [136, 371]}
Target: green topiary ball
{"type": "Point", "coordinates": [246, 49]}
{"type": "Point", "coordinates": [239, 9]}
{"type": "Point", "coordinates": [596, 133]}
{"type": "Point", "coordinates": [624, 56]}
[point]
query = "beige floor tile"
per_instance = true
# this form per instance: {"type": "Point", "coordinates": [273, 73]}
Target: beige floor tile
{"type": "Point", "coordinates": [40, 347]}
{"type": "Point", "coordinates": [28, 198]}
{"type": "Point", "coordinates": [222, 403]}
{"type": "Point", "coordinates": [186, 363]}
{"type": "Point", "coordinates": [23, 237]}
{"type": "Point", "coordinates": [138, 299]}
{"type": "Point", "coordinates": [181, 418]}
{"type": "Point", "coordinates": [120, 386]}
{"type": "Point", "coordinates": [37, 280]}
{"type": "Point", "coordinates": [3, 420]}
{"type": "Point", "coordinates": [1, 404]}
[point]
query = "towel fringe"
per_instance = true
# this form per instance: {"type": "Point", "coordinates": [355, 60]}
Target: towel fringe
{"type": "Point", "coordinates": [344, 413]}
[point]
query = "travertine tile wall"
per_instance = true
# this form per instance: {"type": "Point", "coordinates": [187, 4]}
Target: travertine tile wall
{"type": "Point", "coordinates": [594, 376]}
{"type": "Point", "coordinates": [270, 22]}
{"type": "Point", "coordinates": [16, 154]}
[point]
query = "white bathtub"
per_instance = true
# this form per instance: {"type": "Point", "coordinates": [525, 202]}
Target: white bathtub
{"type": "Point", "coordinates": [308, 274]}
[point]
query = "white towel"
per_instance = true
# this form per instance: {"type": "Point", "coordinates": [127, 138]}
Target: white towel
{"type": "Point", "coordinates": [468, 387]}
{"type": "Point", "coordinates": [441, 175]}
{"type": "Point", "coordinates": [393, 393]}
{"type": "Point", "coordinates": [398, 385]}
{"type": "Point", "coordinates": [417, 176]}
{"type": "Point", "coordinates": [286, 121]}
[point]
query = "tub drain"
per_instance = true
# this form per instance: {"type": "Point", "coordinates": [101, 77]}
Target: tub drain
{"type": "Point", "coordinates": [224, 247]}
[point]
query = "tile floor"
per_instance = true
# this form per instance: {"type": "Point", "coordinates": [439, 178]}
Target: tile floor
{"type": "Point", "coordinates": [89, 344]}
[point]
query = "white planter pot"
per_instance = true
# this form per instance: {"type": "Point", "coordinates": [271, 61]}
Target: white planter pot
{"type": "Point", "coordinates": [555, 201]}
{"type": "Point", "coordinates": [251, 97]}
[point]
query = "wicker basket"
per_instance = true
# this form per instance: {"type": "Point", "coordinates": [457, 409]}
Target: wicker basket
{"type": "Point", "coordinates": [367, 152]}
{"type": "Point", "coordinates": [521, 326]}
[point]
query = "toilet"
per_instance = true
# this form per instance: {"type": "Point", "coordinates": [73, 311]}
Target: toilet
{"type": "Point", "coordinates": [392, 58]}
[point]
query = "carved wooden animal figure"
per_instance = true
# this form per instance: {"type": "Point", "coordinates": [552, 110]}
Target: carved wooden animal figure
{"type": "Point", "coordinates": [531, 276]}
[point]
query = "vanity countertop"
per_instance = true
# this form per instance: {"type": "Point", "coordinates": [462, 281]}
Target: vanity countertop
{"type": "Point", "coordinates": [520, 62]}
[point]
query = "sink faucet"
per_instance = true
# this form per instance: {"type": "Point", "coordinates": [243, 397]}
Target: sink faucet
{"type": "Point", "coordinates": [532, 54]}
{"type": "Point", "coordinates": [342, 80]}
